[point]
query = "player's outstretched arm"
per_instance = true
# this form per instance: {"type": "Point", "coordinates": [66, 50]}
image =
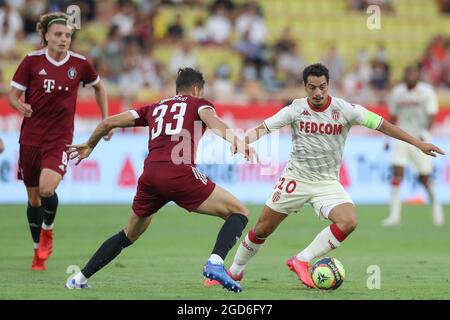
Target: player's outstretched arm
{"type": "Point", "coordinates": [83, 150]}
{"type": "Point", "coordinates": [254, 134]}
{"type": "Point", "coordinates": [395, 132]}
{"type": "Point", "coordinates": [102, 101]}
{"type": "Point", "coordinates": [14, 101]}
{"type": "Point", "coordinates": [2, 146]}
{"type": "Point", "coordinates": [219, 127]}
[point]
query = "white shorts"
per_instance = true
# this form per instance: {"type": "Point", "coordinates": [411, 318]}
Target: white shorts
{"type": "Point", "coordinates": [406, 154]}
{"type": "Point", "coordinates": [291, 194]}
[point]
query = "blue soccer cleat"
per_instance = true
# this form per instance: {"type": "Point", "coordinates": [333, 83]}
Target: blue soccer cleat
{"type": "Point", "coordinates": [72, 284]}
{"type": "Point", "coordinates": [217, 272]}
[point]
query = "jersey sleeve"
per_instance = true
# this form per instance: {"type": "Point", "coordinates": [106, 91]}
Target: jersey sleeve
{"type": "Point", "coordinates": [90, 76]}
{"type": "Point", "coordinates": [204, 104]}
{"type": "Point", "coordinates": [22, 78]}
{"type": "Point", "coordinates": [431, 103]}
{"type": "Point", "coordinates": [140, 116]}
{"type": "Point", "coordinates": [361, 116]}
{"type": "Point", "coordinates": [279, 119]}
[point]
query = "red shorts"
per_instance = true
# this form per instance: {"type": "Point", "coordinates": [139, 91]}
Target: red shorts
{"type": "Point", "coordinates": [33, 159]}
{"type": "Point", "coordinates": [162, 182]}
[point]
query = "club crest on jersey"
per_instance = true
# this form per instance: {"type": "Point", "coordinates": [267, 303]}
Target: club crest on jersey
{"type": "Point", "coordinates": [72, 73]}
{"type": "Point", "coordinates": [335, 114]}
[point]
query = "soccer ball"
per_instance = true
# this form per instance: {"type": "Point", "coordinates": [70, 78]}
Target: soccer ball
{"type": "Point", "coordinates": [328, 274]}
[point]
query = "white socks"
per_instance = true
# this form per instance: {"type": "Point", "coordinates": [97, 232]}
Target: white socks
{"type": "Point", "coordinates": [215, 259]}
{"type": "Point", "coordinates": [46, 227]}
{"type": "Point", "coordinates": [80, 278]}
{"type": "Point", "coordinates": [246, 250]}
{"type": "Point", "coordinates": [327, 240]}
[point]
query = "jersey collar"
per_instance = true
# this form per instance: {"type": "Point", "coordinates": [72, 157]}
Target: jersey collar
{"type": "Point", "coordinates": [54, 62]}
{"type": "Point", "coordinates": [325, 107]}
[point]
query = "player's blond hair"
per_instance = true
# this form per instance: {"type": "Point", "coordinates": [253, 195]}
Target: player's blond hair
{"type": "Point", "coordinates": [46, 20]}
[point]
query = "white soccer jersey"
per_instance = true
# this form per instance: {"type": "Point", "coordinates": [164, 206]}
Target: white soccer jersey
{"type": "Point", "coordinates": [318, 137]}
{"type": "Point", "coordinates": [412, 107]}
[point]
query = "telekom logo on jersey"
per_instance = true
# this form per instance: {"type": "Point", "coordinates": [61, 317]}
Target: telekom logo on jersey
{"type": "Point", "coordinates": [49, 85]}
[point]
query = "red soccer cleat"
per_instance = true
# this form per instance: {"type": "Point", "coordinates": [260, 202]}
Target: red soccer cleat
{"type": "Point", "coordinates": [302, 269]}
{"type": "Point", "coordinates": [45, 244]}
{"type": "Point", "coordinates": [37, 264]}
{"type": "Point", "coordinates": [209, 283]}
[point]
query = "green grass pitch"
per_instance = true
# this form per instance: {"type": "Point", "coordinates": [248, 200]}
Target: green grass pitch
{"type": "Point", "coordinates": [166, 263]}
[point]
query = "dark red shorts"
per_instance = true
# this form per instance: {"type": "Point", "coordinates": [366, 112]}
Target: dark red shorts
{"type": "Point", "coordinates": [162, 182]}
{"type": "Point", "coordinates": [33, 159]}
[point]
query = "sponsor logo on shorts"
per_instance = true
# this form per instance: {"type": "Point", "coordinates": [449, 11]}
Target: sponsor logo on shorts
{"type": "Point", "coordinates": [276, 196]}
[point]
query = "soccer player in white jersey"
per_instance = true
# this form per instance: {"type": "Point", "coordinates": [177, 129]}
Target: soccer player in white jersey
{"type": "Point", "coordinates": [413, 105]}
{"type": "Point", "coordinates": [320, 124]}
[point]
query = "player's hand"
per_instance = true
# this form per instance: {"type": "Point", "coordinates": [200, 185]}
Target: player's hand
{"type": "Point", "coordinates": [79, 151]}
{"type": "Point", "coordinates": [430, 149]}
{"type": "Point", "coordinates": [108, 136]}
{"type": "Point", "coordinates": [25, 109]}
{"type": "Point", "coordinates": [247, 151]}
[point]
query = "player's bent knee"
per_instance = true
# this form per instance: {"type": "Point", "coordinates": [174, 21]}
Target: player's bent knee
{"type": "Point", "coordinates": [350, 225]}
{"type": "Point", "coordinates": [35, 202]}
{"type": "Point", "coordinates": [46, 192]}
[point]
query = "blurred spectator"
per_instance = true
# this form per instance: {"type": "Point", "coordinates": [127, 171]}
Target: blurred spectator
{"type": "Point", "coordinates": [444, 6]}
{"type": "Point", "coordinates": [218, 26]}
{"type": "Point", "coordinates": [227, 4]}
{"type": "Point", "coordinates": [11, 26]}
{"type": "Point", "coordinates": [250, 51]}
{"type": "Point", "coordinates": [355, 83]}
{"type": "Point", "coordinates": [183, 58]}
{"type": "Point", "coordinates": [289, 62]}
{"type": "Point", "coordinates": [222, 88]}
{"type": "Point", "coordinates": [175, 30]}
{"type": "Point", "coordinates": [31, 13]}
{"type": "Point", "coordinates": [286, 42]}
{"type": "Point", "coordinates": [251, 22]}
{"type": "Point", "coordinates": [437, 56]}
{"type": "Point", "coordinates": [381, 54]}
{"type": "Point", "coordinates": [379, 79]}
{"type": "Point", "coordinates": [113, 53]}
{"type": "Point", "coordinates": [336, 65]}
{"type": "Point", "coordinates": [125, 17]}
{"type": "Point", "coordinates": [199, 34]}
{"type": "Point", "coordinates": [151, 70]}
{"type": "Point", "coordinates": [385, 5]}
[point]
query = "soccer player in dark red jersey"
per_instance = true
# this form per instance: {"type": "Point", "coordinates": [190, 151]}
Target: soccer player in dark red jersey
{"type": "Point", "coordinates": [50, 79]}
{"type": "Point", "coordinates": [170, 174]}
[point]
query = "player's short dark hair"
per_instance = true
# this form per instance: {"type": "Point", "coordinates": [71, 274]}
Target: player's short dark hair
{"type": "Point", "coordinates": [48, 19]}
{"type": "Point", "coordinates": [316, 70]}
{"type": "Point", "coordinates": [188, 78]}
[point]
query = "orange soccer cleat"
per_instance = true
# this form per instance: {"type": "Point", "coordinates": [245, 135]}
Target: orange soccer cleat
{"type": "Point", "coordinates": [208, 282]}
{"type": "Point", "coordinates": [302, 269]}
{"type": "Point", "coordinates": [37, 264]}
{"type": "Point", "coordinates": [45, 244]}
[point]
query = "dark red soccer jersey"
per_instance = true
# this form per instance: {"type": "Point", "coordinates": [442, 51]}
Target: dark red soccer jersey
{"type": "Point", "coordinates": [175, 128]}
{"type": "Point", "coordinates": [51, 89]}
